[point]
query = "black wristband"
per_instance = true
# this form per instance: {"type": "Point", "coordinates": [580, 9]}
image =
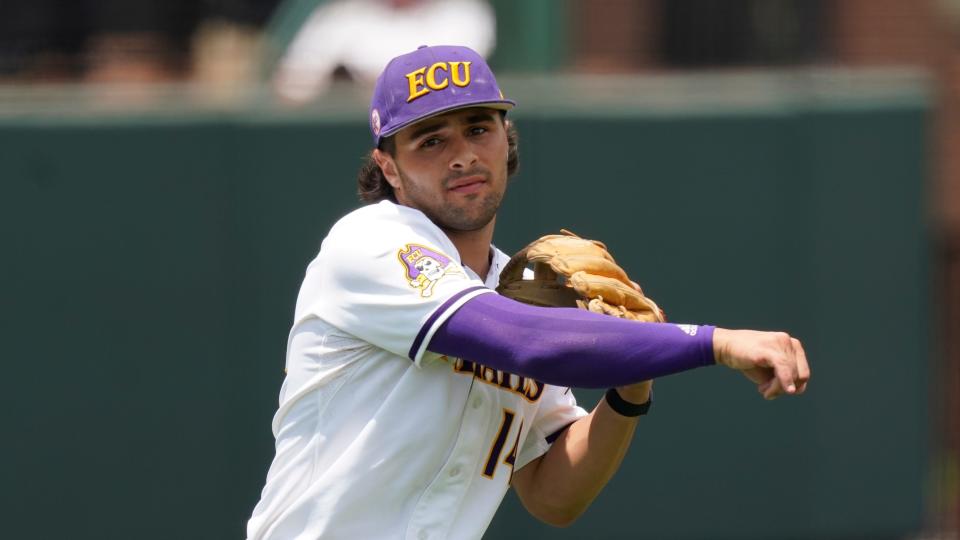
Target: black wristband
{"type": "Point", "coordinates": [624, 407]}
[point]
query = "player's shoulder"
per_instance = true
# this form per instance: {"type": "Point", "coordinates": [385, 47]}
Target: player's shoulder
{"type": "Point", "coordinates": [366, 216]}
{"type": "Point", "coordinates": [385, 227]}
{"type": "Point", "coordinates": [383, 212]}
{"type": "Point", "coordinates": [383, 217]}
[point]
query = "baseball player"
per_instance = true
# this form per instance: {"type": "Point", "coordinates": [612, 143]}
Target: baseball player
{"type": "Point", "coordinates": [416, 395]}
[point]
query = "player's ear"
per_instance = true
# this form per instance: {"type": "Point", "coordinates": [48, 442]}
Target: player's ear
{"type": "Point", "coordinates": [388, 166]}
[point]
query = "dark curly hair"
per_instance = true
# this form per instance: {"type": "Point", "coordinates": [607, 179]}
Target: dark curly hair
{"type": "Point", "coordinates": [372, 185]}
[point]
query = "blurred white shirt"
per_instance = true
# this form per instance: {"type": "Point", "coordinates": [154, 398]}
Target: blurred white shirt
{"type": "Point", "coordinates": [363, 35]}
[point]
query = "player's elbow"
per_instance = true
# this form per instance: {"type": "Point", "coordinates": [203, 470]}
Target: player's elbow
{"type": "Point", "coordinates": [547, 500]}
{"type": "Point", "coordinates": [560, 519]}
{"type": "Point", "coordinates": [560, 516]}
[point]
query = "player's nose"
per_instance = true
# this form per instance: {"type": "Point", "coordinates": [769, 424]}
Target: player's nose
{"type": "Point", "coordinates": [462, 154]}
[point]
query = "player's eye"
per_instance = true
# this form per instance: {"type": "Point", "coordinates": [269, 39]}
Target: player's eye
{"type": "Point", "coordinates": [478, 130]}
{"type": "Point", "coordinates": [430, 141]}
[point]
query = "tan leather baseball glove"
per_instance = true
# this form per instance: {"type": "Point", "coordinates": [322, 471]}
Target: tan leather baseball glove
{"type": "Point", "coordinates": [569, 271]}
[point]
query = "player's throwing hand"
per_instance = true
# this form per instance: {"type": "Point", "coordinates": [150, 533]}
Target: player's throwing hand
{"type": "Point", "coordinates": [774, 361]}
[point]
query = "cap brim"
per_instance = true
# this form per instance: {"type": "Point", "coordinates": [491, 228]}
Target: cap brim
{"type": "Point", "coordinates": [503, 105]}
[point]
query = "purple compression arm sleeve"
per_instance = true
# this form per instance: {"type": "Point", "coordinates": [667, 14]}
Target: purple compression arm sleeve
{"type": "Point", "coordinates": [567, 346]}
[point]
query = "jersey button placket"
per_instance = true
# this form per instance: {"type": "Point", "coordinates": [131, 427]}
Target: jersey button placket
{"type": "Point", "coordinates": [434, 513]}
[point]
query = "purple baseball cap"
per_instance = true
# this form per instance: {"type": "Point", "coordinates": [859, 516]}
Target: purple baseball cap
{"type": "Point", "coordinates": [431, 81]}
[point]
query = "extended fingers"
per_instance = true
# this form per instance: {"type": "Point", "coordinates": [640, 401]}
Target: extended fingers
{"type": "Point", "coordinates": [785, 370]}
{"type": "Point", "coordinates": [770, 389]}
{"type": "Point", "coordinates": [758, 375]}
{"type": "Point", "coordinates": [803, 367]}
{"type": "Point", "coordinates": [791, 369]}
{"type": "Point", "coordinates": [774, 361]}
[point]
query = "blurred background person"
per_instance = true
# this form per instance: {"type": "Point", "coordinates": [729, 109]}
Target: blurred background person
{"type": "Point", "coordinates": [354, 39]}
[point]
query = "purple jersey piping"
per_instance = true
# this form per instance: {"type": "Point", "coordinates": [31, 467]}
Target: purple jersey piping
{"type": "Point", "coordinates": [433, 318]}
{"type": "Point", "coordinates": [556, 434]}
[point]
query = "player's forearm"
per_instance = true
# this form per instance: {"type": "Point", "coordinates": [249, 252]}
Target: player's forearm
{"type": "Point", "coordinates": [581, 462]}
{"type": "Point", "coordinates": [569, 347]}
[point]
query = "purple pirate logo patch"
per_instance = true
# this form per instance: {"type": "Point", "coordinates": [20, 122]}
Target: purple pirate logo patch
{"type": "Point", "coordinates": [424, 267]}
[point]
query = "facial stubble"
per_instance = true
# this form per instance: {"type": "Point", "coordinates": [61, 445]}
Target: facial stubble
{"type": "Point", "coordinates": [449, 217]}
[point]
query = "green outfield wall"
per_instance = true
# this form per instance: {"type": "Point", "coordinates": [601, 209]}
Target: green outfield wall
{"type": "Point", "coordinates": [151, 262]}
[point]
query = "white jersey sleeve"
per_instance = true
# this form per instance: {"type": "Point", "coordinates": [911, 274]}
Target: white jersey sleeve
{"type": "Point", "coordinates": [387, 275]}
{"type": "Point", "coordinates": [558, 409]}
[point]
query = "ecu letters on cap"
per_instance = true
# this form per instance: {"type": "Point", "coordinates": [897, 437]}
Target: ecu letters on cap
{"type": "Point", "coordinates": [437, 77]}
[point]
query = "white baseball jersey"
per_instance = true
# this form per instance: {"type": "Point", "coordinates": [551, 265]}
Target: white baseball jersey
{"type": "Point", "coordinates": [376, 437]}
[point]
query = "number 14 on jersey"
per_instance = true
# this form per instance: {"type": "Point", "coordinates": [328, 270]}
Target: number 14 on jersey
{"type": "Point", "coordinates": [496, 448]}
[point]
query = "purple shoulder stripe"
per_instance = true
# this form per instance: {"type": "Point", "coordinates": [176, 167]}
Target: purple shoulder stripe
{"type": "Point", "coordinates": [433, 319]}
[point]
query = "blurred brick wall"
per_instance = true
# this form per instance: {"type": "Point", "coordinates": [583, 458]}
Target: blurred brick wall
{"type": "Point", "coordinates": [882, 32]}
{"type": "Point", "coordinates": [614, 35]}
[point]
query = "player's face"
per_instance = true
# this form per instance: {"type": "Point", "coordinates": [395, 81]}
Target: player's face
{"type": "Point", "coordinates": [453, 168]}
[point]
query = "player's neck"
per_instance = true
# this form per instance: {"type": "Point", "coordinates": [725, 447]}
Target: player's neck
{"type": "Point", "coordinates": [474, 247]}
